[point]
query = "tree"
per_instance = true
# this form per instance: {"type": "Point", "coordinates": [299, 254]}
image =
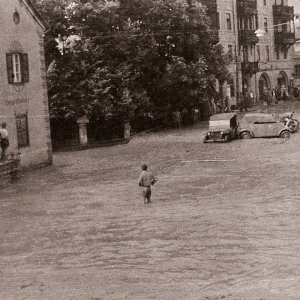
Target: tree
{"type": "Point", "coordinates": [133, 57]}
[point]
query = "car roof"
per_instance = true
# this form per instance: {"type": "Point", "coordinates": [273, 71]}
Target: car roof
{"type": "Point", "coordinates": [222, 116]}
{"type": "Point", "coordinates": [253, 116]}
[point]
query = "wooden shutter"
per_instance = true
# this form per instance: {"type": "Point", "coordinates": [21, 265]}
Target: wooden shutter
{"type": "Point", "coordinates": [24, 67]}
{"type": "Point", "coordinates": [10, 72]}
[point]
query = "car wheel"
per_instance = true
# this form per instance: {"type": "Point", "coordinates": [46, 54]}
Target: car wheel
{"type": "Point", "coordinates": [285, 134]}
{"type": "Point", "coordinates": [226, 138]}
{"type": "Point", "coordinates": [246, 135]}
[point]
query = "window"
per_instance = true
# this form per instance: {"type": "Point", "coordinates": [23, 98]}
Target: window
{"type": "Point", "coordinates": [297, 70]}
{"type": "Point", "coordinates": [230, 53]}
{"type": "Point", "coordinates": [252, 23]}
{"type": "Point", "coordinates": [265, 2]}
{"type": "Point", "coordinates": [267, 52]}
{"type": "Point", "coordinates": [16, 18]}
{"type": "Point", "coordinates": [257, 52]}
{"type": "Point", "coordinates": [228, 21]}
{"type": "Point", "coordinates": [22, 130]}
{"type": "Point", "coordinates": [285, 53]}
{"type": "Point", "coordinates": [232, 90]}
{"type": "Point", "coordinates": [17, 68]}
{"type": "Point", "coordinates": [277, 50]}
{"type": "Point", "coordinates": [245, 53]}
{"type": "Point", "coordinates": [266, 24]}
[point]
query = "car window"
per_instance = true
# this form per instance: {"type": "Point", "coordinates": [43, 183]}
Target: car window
{"type": "Point", "coordinates": [264, 122]}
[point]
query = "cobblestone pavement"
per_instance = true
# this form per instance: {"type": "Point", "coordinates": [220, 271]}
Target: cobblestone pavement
{"type": "Point", "coordinates": [224, 223]}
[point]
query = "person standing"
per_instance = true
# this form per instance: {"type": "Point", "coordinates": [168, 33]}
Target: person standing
{"type": "Point", "coordinates": [146, 179]}
{"type": "Point", "coordinates": [285, 96]}
{"type": "Point", "coordinates": [226, 108]}
{"type": "Point", "coordinates": [269, 97]}
{"type": "Point", "coordinates": [241, 102]}
{"type": "Point", "coordinates": [296, 92]}
{"type": "Point", "coordinates": [273, 94]}
{"type": "Point", "coordinates": [246, 101]}
{"type": "Point", "coordinates": [4, 140]}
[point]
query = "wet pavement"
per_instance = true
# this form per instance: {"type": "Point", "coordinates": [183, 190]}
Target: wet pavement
{"type": "Point", "coordinates": [224, 222]}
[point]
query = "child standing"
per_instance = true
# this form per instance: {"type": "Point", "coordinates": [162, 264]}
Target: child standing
{"type": "Point", "coordinates": [146, 179]}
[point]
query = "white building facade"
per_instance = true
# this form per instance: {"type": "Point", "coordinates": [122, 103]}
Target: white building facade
{"type": "Point", "coordinates": [23, 89]}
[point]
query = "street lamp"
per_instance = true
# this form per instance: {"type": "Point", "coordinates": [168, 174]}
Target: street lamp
{"type": "Point", "coordinates": [259, 32]}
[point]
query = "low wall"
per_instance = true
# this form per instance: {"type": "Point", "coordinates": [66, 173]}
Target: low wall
{"type": "Point", "coordinates": [8, 171]}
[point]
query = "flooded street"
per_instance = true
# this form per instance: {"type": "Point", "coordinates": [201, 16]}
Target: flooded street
{"type": "Point", "coordinates": [224, 222]}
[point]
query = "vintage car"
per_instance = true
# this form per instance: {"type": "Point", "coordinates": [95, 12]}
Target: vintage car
{"type": "Point", "coordinates": [222, 128]}
{"type": "Point", "coordinates": [262, 125]}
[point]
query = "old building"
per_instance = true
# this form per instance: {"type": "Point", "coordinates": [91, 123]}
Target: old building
{"type": "Point", "coordinates": [258, 37]}
{"type": "Point", "coordinates": [23, 89]}
{"type": "Point", "coordinates": [296, 57]}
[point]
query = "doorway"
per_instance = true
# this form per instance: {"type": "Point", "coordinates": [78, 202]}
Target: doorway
{"type": "Point", "coordinates": [263, 86]}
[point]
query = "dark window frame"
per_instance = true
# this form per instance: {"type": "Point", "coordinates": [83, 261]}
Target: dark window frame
{"type": "Point", "coordinates": [266, 24]}
{"type": "Point", "coordinates": [267, 49]}
{"type": "Point", "coordinates": [297, 70]}
{"type": "Point", "coordinates": [24, 68]}
{"type": "Point", "coordinates": [228, 21]}
{"type": "Point", "coordinates": [22, 130]}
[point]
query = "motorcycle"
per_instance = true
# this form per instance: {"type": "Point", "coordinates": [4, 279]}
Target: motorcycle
{"type": "Point", "coordinates": [289, 121]}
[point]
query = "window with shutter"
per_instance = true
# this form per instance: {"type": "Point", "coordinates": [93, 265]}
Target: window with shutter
{"type": "Point", "coordinates": [10, 73]}
{"type": "Point", "coordinates": [22, 130]}
{"type": "Point", "coordinates": [17, 68]}
{"type": "Point", "coordinates": [24, 68]}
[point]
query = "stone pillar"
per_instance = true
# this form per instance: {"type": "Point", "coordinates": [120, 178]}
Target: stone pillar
{"type": "Point", "coordinates": [82, 122]}
{"type": "Point", "coordinates": [126, 129]}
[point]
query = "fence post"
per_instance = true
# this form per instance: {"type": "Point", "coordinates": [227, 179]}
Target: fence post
{"type": "Point", "coordinates": [126, 129]}
{"type": "Point", "coordinates": [82, 122]}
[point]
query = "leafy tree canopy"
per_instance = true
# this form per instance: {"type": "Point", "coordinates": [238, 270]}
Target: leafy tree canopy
{"type": "Point", "coordinates": [133, 56]}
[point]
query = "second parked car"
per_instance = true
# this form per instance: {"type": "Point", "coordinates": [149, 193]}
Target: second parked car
{"type": "Point", "coordinates": [262, 125]}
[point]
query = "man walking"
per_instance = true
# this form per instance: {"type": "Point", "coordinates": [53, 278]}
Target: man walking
{"type": "Point", "coordinates": [146, 179]}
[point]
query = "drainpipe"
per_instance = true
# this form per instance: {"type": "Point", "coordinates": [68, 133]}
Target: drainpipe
{"type": "Point", "coordinates": [237, 60]}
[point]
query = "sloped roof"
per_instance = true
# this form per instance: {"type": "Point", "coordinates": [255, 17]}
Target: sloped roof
{"type": "Point", "coordinates": [222, 116]}
{"type": "Point", "coordinates": [262, 117]}
{"type": "Point", "coordinates": [35, 14]}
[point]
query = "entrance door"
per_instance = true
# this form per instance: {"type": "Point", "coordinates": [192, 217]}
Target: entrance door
{"type": "Point", "coordinates": [263, 87]}
{"type": "Point", "coordinates": [281, 80]}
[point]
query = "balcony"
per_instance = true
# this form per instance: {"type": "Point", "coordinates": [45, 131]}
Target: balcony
{"type": "Point", "coordinates": [284, 38]}
{"type": "Point", "coordinates": [249, 67]}
{"type": "Point", "coordinates": [247, 36]}
{"type": "Point", "coordinates": [247, 7]}
{"type": "Point", "coordinates": [283, 12]}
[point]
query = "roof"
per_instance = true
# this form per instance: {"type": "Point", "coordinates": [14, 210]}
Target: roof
{"type": "Point", "coordinates": [35, 14]}
{"type": "Point", "coordinates": [255, 114]}
{"type": "Point", "coordinates": [222, 116]}
{"type": "Point", "coordinates": [259, 116]}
